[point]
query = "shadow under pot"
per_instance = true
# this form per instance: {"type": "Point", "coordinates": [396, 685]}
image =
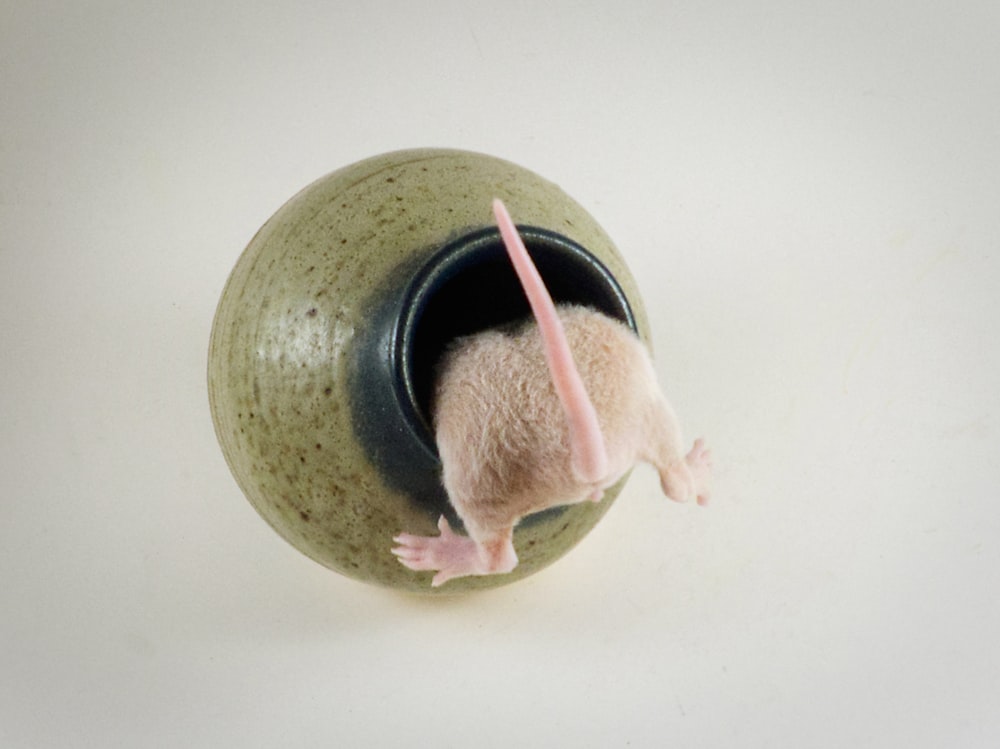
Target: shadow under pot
{"type": "Point", "coordinates": [325, 345]}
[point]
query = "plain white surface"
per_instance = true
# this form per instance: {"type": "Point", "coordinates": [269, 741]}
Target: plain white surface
{"type": "Point", "coordinates": [809, 195]}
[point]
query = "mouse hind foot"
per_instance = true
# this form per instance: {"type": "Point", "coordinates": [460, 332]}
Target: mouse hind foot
{"type": "Point", "coordinates": [699, 462]}
{"type": "Point", "coordinates": [690, 478]}
{"type": "Point", "coordinates": [452, 555]}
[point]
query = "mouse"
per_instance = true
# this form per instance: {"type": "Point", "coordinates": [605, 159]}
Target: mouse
{"type": "Point", "coordinates": [551, 412]}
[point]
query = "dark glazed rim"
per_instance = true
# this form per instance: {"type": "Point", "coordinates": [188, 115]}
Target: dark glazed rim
{"type": "Point", "coordinates": [469, 285]}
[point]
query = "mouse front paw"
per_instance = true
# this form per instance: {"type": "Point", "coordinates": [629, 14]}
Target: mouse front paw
{"type": "Point", "coordinates": [450, 555]}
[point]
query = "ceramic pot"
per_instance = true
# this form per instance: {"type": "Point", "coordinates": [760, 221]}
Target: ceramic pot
{"type": "Point", "coordinates": [322, 353]}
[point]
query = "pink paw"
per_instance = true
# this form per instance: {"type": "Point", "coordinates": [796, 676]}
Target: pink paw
{"type": "Point", "coordinates": [449, 554]}
{"type": "Point", "coordinates": [699, 462]}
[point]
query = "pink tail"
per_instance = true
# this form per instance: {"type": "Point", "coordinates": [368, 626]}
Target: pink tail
{"type": "Point", "coordinates": [589, 454]}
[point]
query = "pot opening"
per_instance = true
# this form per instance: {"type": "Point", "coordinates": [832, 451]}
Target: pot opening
{"type": "Point", "coordinates": [469, 286]}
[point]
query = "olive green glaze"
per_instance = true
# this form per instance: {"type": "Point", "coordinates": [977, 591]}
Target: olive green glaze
{"type": "Point", "coordinates": [281, 348]}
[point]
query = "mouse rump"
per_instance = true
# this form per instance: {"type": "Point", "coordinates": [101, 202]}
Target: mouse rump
{"type": "Point", "coordinates": [464, 287]}
{"type": "Point", "coordinates": [470, 287]}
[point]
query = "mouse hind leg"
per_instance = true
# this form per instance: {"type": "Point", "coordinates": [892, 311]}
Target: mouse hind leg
{"type": "Point", "coordinates": [452, 555]}
{"type": "Point", "coordinates": [683, 477]}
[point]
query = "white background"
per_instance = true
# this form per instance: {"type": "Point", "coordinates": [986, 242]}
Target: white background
{"type": "Point", "coordinates": [809, 196]}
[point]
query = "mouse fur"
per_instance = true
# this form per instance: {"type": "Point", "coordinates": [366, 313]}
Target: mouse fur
{"type": "Point", "coordinates": [548, 413]}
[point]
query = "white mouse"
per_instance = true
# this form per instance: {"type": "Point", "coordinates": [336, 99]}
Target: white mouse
{"type": "Point", "coordinates": [549, 414]}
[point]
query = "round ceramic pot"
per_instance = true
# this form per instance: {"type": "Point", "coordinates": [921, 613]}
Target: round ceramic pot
{"type": "Point", "coordinates": [323, 349]}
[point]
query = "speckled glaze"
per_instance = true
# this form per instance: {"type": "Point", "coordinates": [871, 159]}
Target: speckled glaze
{"type": "Point", "coordinates": [284, 371]}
